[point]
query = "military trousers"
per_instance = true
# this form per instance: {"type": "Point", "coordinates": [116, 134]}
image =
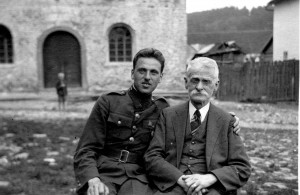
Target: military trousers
{"type": "Point", "coordinates": [130, 187]}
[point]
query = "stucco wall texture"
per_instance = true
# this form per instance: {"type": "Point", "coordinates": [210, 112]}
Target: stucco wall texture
{"type": "Point", "coordinates": [153, 23]}
{"type": "Point", "coordinates": [286, 30]}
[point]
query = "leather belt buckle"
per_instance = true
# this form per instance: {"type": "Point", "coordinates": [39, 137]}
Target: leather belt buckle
{"type": "Point", "coordinates": [124, 156]}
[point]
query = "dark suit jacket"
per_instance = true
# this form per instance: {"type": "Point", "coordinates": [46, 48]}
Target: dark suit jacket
{"type": "Point", "coordinates": [225, 154]}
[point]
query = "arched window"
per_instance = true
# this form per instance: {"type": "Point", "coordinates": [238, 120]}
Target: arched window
{"type": "Point", "coordinates": [120, 44]}
{"type": "Point", "coordinates": [6, 50]}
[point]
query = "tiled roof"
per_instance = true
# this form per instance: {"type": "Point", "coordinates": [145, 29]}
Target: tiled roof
{"type": "Point", "coordinates": [272, 4]}
{"type": "Point", "coordinates": [268, 43]}
{"type": "Point", "coordinates": [248, 41]}
{"type": "Point", "coordinates": [276, 1]}
{"type": "Point", "coordinates": [206, 49]}
{"type": "Point", "coordinates": [226, 47]}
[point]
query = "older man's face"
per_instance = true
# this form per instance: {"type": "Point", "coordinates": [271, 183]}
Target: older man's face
{"type": "Point", "coordinates": [201, 83]}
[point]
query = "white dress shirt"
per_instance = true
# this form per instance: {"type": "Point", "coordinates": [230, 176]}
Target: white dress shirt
{"type": "Point", "coordinates": [203, 111]}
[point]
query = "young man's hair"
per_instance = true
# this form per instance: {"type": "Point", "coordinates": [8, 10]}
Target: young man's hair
{"type": "Point", "coordinates": [150, 53]}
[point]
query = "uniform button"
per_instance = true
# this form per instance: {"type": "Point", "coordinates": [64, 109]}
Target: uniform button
{"type": "Point", "coordinates": [131, 139]}
{"type": "Point", "coordinates": [191, 151]}
{"type": "Point", "coordinates": [134, 127]}
{"type": "Point", "coordinates": [171, 143]}
{"type": "Point", "coordinates": [119, 122]}
{"type": "Point", "coordinates": [189, 166]}
{"type": "Point", "coordinates": [137, 116]}
{"type": "Point", "coordinates": [191, 158]}
{"type": "Point", "coordinates": [193, 142]}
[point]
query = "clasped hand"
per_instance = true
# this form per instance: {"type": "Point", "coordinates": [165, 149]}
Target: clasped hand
{"type": "Point", "coordinates": [97, 187]}
{"type": "Point", "coordinates": [196, 184]}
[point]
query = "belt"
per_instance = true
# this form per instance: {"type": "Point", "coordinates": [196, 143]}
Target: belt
{"type": "Point", "coordinates": [124, 156]}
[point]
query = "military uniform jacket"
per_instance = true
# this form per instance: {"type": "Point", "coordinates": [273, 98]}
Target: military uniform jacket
{"type": "Point", "coordinates": [115, 125]}
{"type": "Point", "coordinates": [225, 154]}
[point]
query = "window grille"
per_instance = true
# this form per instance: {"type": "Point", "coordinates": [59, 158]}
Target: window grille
{"type": "Point", "coordinates": [6, 49]}
{"type": "Point", "coordinates": [120, 45]}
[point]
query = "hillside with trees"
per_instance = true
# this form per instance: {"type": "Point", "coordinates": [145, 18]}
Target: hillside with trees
{"type": "Point", "coordinates": [230, 19]}
{"type": "Point", "coordinates": [251, 29]}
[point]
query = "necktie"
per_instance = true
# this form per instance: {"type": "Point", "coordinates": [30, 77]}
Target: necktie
{"type": "Point", "coordinates": [195, 122]}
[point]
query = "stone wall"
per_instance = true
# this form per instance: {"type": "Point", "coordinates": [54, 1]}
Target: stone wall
{"type": "Point", "coordinates": [153, 23]}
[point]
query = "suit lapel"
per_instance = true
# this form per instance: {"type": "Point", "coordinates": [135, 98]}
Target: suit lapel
{"type": "Point", "coordinates": [180, 125]}
{"type": "Point", "coordinates": [213, 130]}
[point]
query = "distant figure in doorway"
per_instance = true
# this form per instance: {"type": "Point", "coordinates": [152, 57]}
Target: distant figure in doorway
{"type": "Point", "coordinates": [61, 89]}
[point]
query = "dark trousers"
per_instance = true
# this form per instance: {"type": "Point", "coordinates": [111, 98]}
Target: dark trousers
{"type": "Point", "coordinates": [177, 190]}
{"type": "Point", "coordinates": [129, 187]}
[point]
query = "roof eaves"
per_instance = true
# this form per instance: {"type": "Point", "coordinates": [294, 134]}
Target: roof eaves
{"type": "Point", "coordinates": [268, 42]}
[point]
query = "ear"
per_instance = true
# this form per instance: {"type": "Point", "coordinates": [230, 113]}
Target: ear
{"type": "Point", "coordinates": [132, 74]}
{"type": "Point", "coordinates": [160, 77]}
{"type": "Point", "coordinates": [217, 84]}
{"type": "Point", "coordinates": [185, 83]}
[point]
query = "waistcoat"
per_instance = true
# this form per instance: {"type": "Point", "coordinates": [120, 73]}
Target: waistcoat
{"type": "Point", "coordinates": [193, 155]}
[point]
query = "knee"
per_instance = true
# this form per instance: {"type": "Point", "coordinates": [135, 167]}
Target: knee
{"type": "Point", "coordinates": [213, 191]}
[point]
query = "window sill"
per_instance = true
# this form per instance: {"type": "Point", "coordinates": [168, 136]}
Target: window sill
{"type": "Point", "coordinates": [118, 64]}
{"type": "Point", "coordinates": [7, 65]}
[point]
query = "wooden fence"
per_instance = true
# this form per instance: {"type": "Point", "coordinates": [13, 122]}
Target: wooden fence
{"type": "Point", "coordinates": [264, 81]}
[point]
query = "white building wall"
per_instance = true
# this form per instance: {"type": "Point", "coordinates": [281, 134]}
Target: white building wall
{"type": "Point", "coordinates": [286, 30]}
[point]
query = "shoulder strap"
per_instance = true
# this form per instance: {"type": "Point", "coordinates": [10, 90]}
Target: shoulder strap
{"type": "Point", "coordinates": [116, 93]}
{"type": "Point", "coordinates": [160, 102]}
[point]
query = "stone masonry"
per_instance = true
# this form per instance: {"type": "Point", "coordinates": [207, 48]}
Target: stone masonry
{"type": "Point", "coordinates": [153, 23]}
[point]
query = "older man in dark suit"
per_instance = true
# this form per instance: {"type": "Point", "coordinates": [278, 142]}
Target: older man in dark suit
{"type": "Point", "coordinates": [194, 149]}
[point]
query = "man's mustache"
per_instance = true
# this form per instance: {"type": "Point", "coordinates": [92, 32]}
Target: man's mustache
{"type": "Point", "coordinates": [198, 93]}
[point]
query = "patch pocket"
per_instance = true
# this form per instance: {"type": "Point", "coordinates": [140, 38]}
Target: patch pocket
{"type": "Point", "coordinates": [119, 120]}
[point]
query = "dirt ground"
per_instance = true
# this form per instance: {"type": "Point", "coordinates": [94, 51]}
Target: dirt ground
{"type": "Point", "coordinates": [37, 143]}
{"type": "Point", "coordinates": [283, 115]}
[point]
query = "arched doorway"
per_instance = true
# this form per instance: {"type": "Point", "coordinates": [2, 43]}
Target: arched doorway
{"type": "Point", "coordinates": [61, 53]}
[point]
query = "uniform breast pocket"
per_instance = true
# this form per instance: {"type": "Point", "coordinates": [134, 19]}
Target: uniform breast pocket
{"type": "Point", "coordinates": [118, 125]}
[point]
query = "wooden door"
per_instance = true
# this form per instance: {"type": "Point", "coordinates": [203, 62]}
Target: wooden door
{"type": "Point", "coordinates": [61, 53]}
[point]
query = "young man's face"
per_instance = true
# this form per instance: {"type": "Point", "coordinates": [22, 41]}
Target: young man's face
{"type": "Point", "coordinates": [146, 74]}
